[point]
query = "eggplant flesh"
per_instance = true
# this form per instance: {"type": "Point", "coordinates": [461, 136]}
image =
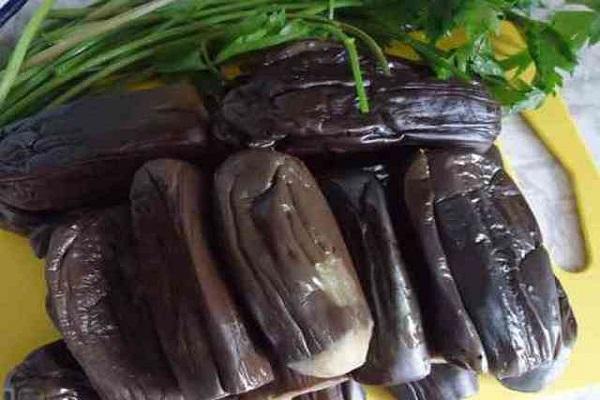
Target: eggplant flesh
{"type": "Point", "coordinates": [199, 325]}
{"type": "Point", "coordinates": [290, 263]}
{"type": "Point", "coordinates": [289, 384]}
{"type": "Point", "coordinates": [397, 352]}
{"type": "Point", "coordinates": [49, 372]}
{"type": "Point", "coordinates": [106, 326]}
{"type": "Point", "coordinates": [87, 152]}
{"type": "Point", "coordinates": [546, 374]}
{"type": "Point", "coordinates": [302, 100]}
{"type": "Point", "coordinates": [446, 382]}
{"type": "Point", "coordinates": [450, 330]}
{"type": "Point", "coordinates": [496, 256]}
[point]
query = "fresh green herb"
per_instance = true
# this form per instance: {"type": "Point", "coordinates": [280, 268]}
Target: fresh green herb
{"type": "Point", "coordinates": [67, 53]}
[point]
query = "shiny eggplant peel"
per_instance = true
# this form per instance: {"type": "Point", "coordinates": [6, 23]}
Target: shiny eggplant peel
{"type": "Point", "coordinates": [200, 328]}
{"type": "Point", "coordinates": [290, 263]}
{"type": "Point", "coordinates": [49, 372]}
{"type": "Point", "coordinates": [87, 152]}
{"type": "Point", "coordinates": [495, 255]}
{"type": "Point", "coordinates": [397, 353]}
{"type": "Point", "coordinates": [446, 382]}
{"type": "Point", "coordinates": [89, 271]}
{"type": "Point", "coordinates": [450, 330]}
{"type": "Point", "coordinates": [302, 100]}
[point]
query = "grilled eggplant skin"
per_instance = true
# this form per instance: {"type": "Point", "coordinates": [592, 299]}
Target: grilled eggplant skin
{"type": "Point", "coordinates": [546, 374]}
{"type": "Point", "coordinates": [496, 256]}
{"type": "Point", "coordinates": [397, 352]}
{"type": "Point", "coordinates": [290, 263]}
{"type": "Point", "coordinates": [49, 372]}
{"type": "Point", "coordinates": [201, 331]}
{"type": "Point", "coordinates": [331, 393]}
{"type": "Point", "coordinates": [87, 152]}
{"type": "Point", "coordinates": [446, 382]}
{"type": "Point", "coordinates": [450, 330]}
{"type": "Point", "coordinates": [105, 325]}
{"type": "Point", "coordinates": [302, 100]}
{"type": "Point", "coordinates": [353, 390]}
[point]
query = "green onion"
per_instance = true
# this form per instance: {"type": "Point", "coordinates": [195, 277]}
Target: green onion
{"type": "Point", "coordinates": [16, 59]}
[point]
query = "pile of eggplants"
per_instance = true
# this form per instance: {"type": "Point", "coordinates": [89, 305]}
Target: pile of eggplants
{"type": "Point", "coordinates": [282, 245]}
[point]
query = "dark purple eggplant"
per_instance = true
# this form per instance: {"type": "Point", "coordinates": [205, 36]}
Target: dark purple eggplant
{"type": "Point", "coordinates": [49, 372]}
{"type": "Point", "coordinates": [446, 382]}
{"type": "Point", "coordinates": [106, 326]}
{"type": "Point", "coordinates": [302, 100]}
{"type": "Point", "coordinates": [199, 325]}
{"type": "Point", "coordinates": [397, 353]}
{"type": "Point", "coordinates": [450, 330]}
{"type": "Point", "coordinates": [541, 377]}
{"type": "Point", "coordinates": [495, 254]}
{"type": "Point", "coordinates": [19, 221]}
{"type": "Point", "coordinates": [87, 152]}
{"type": "Point", "coordinates": [290, 263]}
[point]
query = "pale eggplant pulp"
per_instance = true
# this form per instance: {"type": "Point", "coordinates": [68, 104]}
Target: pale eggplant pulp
{"type": "Point", "coordinates": [86, 153]}
{"type": "Point", "coordinates": [494, 251]}
{"type": "Point", "coordinates": [302, 100]}
{"type": "Point", "coordinates": [199, 325]}
{"type": "Point", "coordinates": [397, 352]}
{"type": "Point", "coordinates": [446, 382]}
{"type": "Point", "coordinates": [90, 272]}
{"type": "Point", "coordinates": [290, 263]}
{"type": "Point", "coordinates": [49, 372]}
{"type": "Point", "coordinates": [545, 375]}
{"type": "Point", "coordinates": [289, 384]}
{"type": "Point", "coordinates": [450, 331]}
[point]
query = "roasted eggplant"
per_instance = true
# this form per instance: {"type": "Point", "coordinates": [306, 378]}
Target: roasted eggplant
{"type": "Point", "coordinates": [450, 330]}
{"type": "Point", "coordinates": [446, 382]}
{"type": "Point", "coordinates": [49, 372]}
{"type": "Point", "coordinates": [495, 254]}
{"type": "Point", "coordinates": [331, 393]}
{"type": "Point", "coordinates": [290, 263]}
{"type": "Point", "coordinates": [289, 384]}
{"type": "Point", "coordinates": [87, 152]}
{"type": "Point", "coordinates": [302, 100]}
{"type": "Point", "coordinates": [353, 390]}
{"type": "Point", "coordinates": [546, 374]}
{"type": "Point", "coordinates": [397, 353]}
{"type": "Point", "coordinates": [201, 330]}
{"type": "Point", "coordinates": [90, 270]}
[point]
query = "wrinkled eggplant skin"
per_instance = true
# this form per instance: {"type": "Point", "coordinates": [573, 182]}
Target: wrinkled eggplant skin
{"type": "Point", "coordinates": [397, 353]}
{"type": "Point", "coordinates": [199, 326]}
{"type": "Point", "coordinates": [289, 384]}
{"type": "Point", "coordinates": [106, 326]}
{"type": "Point", "coordinates": [494, 251]}
{"type": "Point", "coordinates": [19, 221]}
{"type": "Point", "coordinates": [446, 382]}
{"type": "Point", "coordinates": [353, 390]}
{"type": "Point", "coordinates": [450, 331]}
{"type": "Point", "coordinates": [90, 149]}
{"type": "Point", "coordinates": [546, 374]}
{"type": "Point", "coordinates": [290, 262]}
{"type": "Point", "coordinates": [303, 101]}
{"type": "Point", "coordinates": [331, 393]}
{"type": "Point", "coordinates": [49, 372]}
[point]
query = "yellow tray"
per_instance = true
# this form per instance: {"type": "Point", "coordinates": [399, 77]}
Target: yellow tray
{"type": "Point", "coordinates": [25, 325]}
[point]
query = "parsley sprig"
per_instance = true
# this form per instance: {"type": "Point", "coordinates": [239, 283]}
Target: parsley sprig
{"type": "Point", "coordinates": [67, 53]}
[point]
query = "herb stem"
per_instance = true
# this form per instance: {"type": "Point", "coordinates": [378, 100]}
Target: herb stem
{"type": "Point", "coordinates": [18, 56]}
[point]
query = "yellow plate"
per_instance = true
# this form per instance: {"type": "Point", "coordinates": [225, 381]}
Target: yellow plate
{"type": "Point", "coordinates": [22, 289]}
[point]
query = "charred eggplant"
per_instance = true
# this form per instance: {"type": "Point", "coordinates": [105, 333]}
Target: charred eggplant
{"type": "Point", "coordinates": [291, 264]}
{"type": "Point", "coordinates": [495, 254]}
{"type": "Point", "coordinates": [450, 330]}
{"type": "Point", "coordinates": [397, 353]}
{"type": "Point", "coordinates": [105, 325]}
{"type": "Point", "coordinates": [87, 152]}
{"type": "Point", "coordinates": [446, 382]}
{"type": "Point", "coordinates": [302, 100]}
{"type": "Point", "coordinates": [49, 372]}
{"type": "Point", "coordinates": [200, 328]}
